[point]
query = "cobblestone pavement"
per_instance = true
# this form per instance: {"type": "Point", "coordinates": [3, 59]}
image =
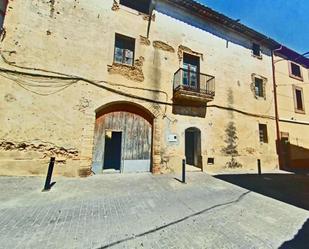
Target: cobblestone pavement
{"type": "Point", "coordinates": [143, 211]}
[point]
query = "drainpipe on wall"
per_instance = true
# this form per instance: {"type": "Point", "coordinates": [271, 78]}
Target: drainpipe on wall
{"type": "Point", "coordinates": [276, 105]}
{"type": "Point", "coordinates": [151, 9]}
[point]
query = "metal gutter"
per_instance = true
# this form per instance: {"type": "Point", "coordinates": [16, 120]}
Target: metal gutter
{"type": "Point", "coordinates": [278, 147]}
{"type": "Point", "coordinates": [294, 56]}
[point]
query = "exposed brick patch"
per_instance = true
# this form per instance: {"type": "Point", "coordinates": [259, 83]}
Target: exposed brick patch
{"type": "Point", "coordinates": [183, 49]}
{"type": "Point", "coordinates": [47, 149]}
{"type": "Point", "coordinates": [163, 46]}
{"type": "Point", "coordinates": [134, 73]}
{"type": "Point", "coordinates": [144, 40]}
{"type": "Point", "coordinates": [115, 6]}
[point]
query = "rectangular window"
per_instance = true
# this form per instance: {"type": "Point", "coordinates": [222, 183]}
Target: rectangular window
{"type": "Point", "coordinates": [211, 160]}
{"type": "Point", "coordinates": [256, 49]}
{"type": "Point", "coordinates": [259, 87]}
{"type": "Point", "coordinates": [299, 100]}
{"type": "Point", "coordinates": [139, 5]}
{"type": "Point", "coordinates": [295, 71]}
{"type": "Point", "coordinates": [191, 70]}
{"type": "Point", "coordinates": [263, 133]}
{"type": "Point", "coordinates": [124, 50]}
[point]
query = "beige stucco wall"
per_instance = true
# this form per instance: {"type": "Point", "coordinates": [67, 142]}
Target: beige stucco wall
{"type": "Point", "coordinates": [298, 125]}
{"type": "Point", "coordinates": [77, 38]}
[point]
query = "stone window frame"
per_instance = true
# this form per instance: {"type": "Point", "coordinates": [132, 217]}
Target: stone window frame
{"type": "Point", "coordinates": [301, 78]}
{"type": "Point", "coordinates": [300, 111]}
{"type": "Point", "coordinates": [264, 79]}
{"type": "Point", "coordinates": [134, 51]}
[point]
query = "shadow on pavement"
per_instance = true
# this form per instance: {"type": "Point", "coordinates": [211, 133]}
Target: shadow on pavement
{"type": "Point", "coordinates": [290, 188]}
{"type": "Point", "coordinates": [239, 198]}
{"type": "Point", "coordinates": [300, 240]}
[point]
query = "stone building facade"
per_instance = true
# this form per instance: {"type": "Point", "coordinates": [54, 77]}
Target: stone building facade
{"type": "Point", "coordinates": [107, 85]}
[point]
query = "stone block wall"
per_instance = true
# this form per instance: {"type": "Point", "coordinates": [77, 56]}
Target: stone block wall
{"type": "Point", "coordinates": [63, 53]}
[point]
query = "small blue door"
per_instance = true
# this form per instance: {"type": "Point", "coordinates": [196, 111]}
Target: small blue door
{"type": "Point", "coordinates": [112, 153]}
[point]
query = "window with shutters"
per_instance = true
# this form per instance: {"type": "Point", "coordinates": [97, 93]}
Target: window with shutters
{"type": "Point", "coordinates": [263, 133]}
{"type": "Point", "coordinates": [295, 71]}
{"type": "Point", "coordinates": [139, 5]}
{"type": "Point", "coordinates": [299, 100]}
{"type": "Point", "coordinates": [124, 50]}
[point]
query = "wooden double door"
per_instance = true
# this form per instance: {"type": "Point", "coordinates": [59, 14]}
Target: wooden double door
{"type": "Point", "coordinates": [123, 143]}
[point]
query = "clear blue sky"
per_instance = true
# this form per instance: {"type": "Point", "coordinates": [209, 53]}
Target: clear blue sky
{"type": "Point", "coordinates": [286, 21]}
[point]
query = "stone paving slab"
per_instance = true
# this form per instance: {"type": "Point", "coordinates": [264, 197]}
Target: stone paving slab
{"type": "Point", "coordinates": [143, 211]}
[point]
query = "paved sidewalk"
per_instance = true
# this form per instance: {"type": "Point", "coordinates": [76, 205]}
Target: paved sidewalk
{"type": "Point", "coordinates": [144, 211]}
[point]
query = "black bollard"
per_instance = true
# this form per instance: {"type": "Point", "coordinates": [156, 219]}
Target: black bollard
{"type": "Point", "coordinates": [183, 170]}
{"type": "Point", "coordinates": [259, 167]}
{"type": "Point", "coordinates": [49, 175]}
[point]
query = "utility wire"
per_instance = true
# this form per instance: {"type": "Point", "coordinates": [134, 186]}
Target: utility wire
{"type": "Point", "coordinates": [98, 84]}
{"type": "Point", "coordinates": [63, 76]}
{"type": "Point", "coordinates": [72, 79]}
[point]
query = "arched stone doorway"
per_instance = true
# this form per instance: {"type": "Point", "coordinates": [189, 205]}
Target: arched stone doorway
{"type": "Point", "coordinates": [123, 139]}
{"type": "Point", "coordinates": [193, 150]}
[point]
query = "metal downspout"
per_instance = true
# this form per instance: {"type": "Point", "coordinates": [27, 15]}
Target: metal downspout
{"type": "Point", "coordinates": [153, 4]}
{"type": "Point", "coordinates": [278, 148]}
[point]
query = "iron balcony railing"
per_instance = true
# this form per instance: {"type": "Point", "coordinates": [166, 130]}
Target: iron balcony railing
{"type": "Point", "coordinates": [194, 82]}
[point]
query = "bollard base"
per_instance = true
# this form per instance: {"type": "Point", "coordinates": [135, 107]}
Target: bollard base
{"type": "Point", "coordinates": [259, 167]}
{"type": "Point", "coordinates": [48, 183]}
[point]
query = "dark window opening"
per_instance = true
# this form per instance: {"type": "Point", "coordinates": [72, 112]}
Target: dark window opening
{"type": "Point", "coordinates": [124, 50]}
{"type": "Point", "coordinates": [3, 5]}
{"type": "Point", "coordinates": [210, 160]}
{"type": "Point", "coordinates": [263, 133]}
{"type": "Point", "coordinates": [139, 5]}
{"type": "Point", "coordinates": [299, 100]}
{"type": "Point", "coordinates": [256, 49]}
{"type": "Point", "coordinates": [259, 88]}
{"type": "Point", "coordinates": [295, 70]}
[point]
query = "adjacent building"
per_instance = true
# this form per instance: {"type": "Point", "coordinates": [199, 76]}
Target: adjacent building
{"type": "Point", "coordinates": [134, 86]}
{"type": "Point", "coordinates": [292, 87]}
